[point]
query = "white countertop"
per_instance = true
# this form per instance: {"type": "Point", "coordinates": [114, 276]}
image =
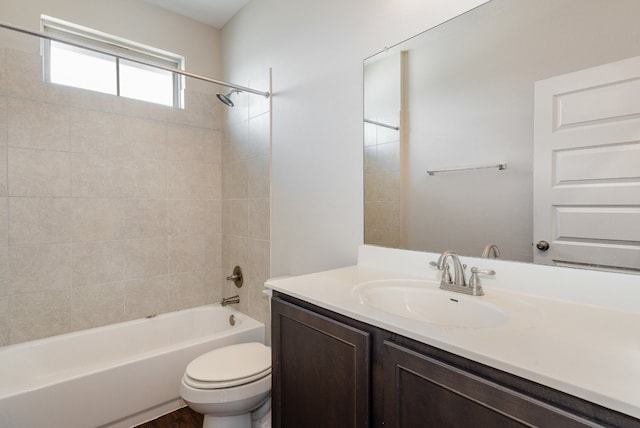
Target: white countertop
{"type": "Point", "coordinates": [572, 330]}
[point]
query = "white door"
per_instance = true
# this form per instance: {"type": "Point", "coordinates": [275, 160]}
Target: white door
{"type": "Point", "coordinates": [587, 167]}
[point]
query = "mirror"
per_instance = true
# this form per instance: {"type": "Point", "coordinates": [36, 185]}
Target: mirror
{"type": "Point", "coordinates": [461, 96]}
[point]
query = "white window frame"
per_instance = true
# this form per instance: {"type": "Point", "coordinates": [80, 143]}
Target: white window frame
{"type": "Point", "coordinates": [115, 46]}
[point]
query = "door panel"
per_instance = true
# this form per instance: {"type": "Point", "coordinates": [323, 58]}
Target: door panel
{"type": "Point", "coordinates": [587, 167]}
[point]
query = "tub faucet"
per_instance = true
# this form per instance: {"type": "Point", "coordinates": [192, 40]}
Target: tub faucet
{"type": "Point", "coordinates": [230, 300]}
{"type": "Point", "coordinates": [489, 250]}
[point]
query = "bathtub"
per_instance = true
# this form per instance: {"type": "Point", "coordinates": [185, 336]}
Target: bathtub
{"type": "Point", "coordinates": [119, 375]}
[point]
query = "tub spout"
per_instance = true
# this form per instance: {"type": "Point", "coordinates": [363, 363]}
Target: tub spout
{"type": "Point", "coordinates": [230, 300]}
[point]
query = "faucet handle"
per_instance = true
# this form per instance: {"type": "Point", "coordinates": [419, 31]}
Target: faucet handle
{"type": "Point", "coordinates": [474, 281]}
{"type": "Point", "coordinates": [476, 271]}
{"type": "Point", "coordinates": [446, 275]}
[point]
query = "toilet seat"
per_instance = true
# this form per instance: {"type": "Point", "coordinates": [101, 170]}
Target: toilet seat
{"type": "Point", "coordinates": [229, 366]}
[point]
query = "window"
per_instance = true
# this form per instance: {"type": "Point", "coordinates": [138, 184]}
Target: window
{"type": "Point", "coordinates": [69, 65]}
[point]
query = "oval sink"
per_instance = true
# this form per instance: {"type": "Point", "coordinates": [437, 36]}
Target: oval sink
{"type": "Point", "coordinates": [424, 301]}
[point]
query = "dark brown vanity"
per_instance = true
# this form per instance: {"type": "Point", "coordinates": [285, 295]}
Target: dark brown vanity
{"type": "Point", "coordinates": [333, 371]}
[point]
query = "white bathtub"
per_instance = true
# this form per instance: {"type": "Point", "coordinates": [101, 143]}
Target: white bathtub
{"type": "Point", "coordinates": [114, 376]}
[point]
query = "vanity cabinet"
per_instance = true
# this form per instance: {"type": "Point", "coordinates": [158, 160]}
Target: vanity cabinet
{"type": "Point", "coordinates": [332, 371]}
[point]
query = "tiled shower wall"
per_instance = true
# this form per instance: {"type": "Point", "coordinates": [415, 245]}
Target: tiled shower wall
{"type": "Point", "coordinates": [246, 156]}
{"type": "Point", "coordinates": [382, 184]}
{"type": "Point", "coordinates": [111, 209]}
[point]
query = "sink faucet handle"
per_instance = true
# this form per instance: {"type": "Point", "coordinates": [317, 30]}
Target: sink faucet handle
{"type": "Point", "coordinates": [446, 275]}
{"type": "Point", "coordinates": [474, 281]}
{"type": "Point", "coordinates": [475, 270]}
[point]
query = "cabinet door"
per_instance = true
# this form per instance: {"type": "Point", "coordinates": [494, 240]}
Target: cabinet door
{"type": "Point", "coordinates": [321, 370]}
{"type": "Point", "coordinates": [422, 392]}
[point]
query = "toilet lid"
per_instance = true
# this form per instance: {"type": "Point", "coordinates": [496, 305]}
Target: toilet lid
{"type": "Point", "coordinates": [231, 365]}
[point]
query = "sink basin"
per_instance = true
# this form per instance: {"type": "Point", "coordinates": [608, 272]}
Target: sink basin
{"type": "Point", "coordinates": [424, 301]}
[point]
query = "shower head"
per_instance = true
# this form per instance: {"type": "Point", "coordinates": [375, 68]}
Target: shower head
{"type": "Point", "coordinates": [227, 98]}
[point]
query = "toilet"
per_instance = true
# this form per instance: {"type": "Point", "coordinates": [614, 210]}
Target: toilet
{"type": "Point", "coordinates": [231, 386]}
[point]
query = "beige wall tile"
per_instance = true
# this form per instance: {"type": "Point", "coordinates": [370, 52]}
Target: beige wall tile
{"type": "Point", "coordinates": [37, 315]}
{"type": "Point", "coordinates": [145, 257]}
{"type": "Point", "coordinates": [97, 262]}
{"type": "Point", "coordinates": [4, 271]}
{"type": "Point", "coordinates": [3, 114]}
{"type": "Point", "coordinates": [145, 218]}
{"type": "Point", "coordinates": [4, 175]}
{"type": "Point", "coordinates": [238, 185]}
{"type": "Point", "coordinates": [34, 268]}
{"type": "Point", "coordinates": [4, 321]}
{"type": "Point", "coordinates": [3, 71]}
{"type": "Point", "coordinates": [186, 290]}
{"type": "Point", "coordinates": [97, 305]}
{"type": "Point", "coordinates": [37, 125]}
{"type": "Point", "coordinates": [259, 260]}
{"type": "Point", "coordinates": [187, 217]}
{"type": "Point", "coordinates": [145, 178]}
{"type": "Point", "coordinates": [143, 109]}
{"type": "Point", "coordinates": [146, 296]}
{"type": "Point", "coordinates": [186, 253]}
{"type": "Point", "coordinates": [213, 213]}
{"type": "Point", "coordinates": [185, 144]}
{"type": "Point", "coordinates": [212, 146]}
{"type": "Point", "coordinates": [237, 140]}
{"type": "Point", "coordinates": [187, 180]}
{"type": "Point", "coordinates": [4, 222]}
{"type": "Point", "coordinates": [96, 176]}
{"type": "Point", "coordinates": [38, 173]}
{"type": "Point", "coordinates": [213, 285]}
{"type": "Point", "coordinates": [239, 217]}
{"type": "Point", "coordinates": [39, 220]}
{"type": "Point", "coordinates": [259, 178]}
{"type": "Point", "coordinates": [235, 251]}
{"type": "Point", "coordinates": [96, 219]}
{"type": "Point", "coordinates": [201, 109]}
{"type": "Point", "coordinates": [96, 132]}
{"type": "Point", "coordinates": [91, 100]}
{"type": "Point", "coordinates": [259, 216]}
{"type": "Point", "coordinates": [145, 138]}
{"type": "Point", "coordinates": [213, 251]}
{"type": "Point", "coordinates": [213, 181]}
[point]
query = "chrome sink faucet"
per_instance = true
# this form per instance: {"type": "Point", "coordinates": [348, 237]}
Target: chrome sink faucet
{"type": "Point", "coordinates": [459, 282]}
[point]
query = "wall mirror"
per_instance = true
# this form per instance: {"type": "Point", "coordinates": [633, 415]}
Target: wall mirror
{"type": "Point", "coordinates": [454, 122]}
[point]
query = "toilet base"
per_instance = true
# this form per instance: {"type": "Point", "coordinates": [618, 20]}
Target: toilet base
{"type": "Point", "coordinates": [238, 421]}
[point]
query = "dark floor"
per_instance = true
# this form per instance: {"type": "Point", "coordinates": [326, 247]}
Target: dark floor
{"type": "Point", "coordinates": [182, 418]}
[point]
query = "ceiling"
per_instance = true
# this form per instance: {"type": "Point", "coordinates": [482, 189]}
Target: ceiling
{"type": "Point", "coordinates": [215, 13]}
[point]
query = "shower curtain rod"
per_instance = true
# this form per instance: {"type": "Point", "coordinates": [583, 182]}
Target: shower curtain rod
{"type": "Point", "coordinates": [133, 59]}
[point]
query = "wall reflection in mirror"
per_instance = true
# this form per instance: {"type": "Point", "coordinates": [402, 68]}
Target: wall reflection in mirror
{"type": "Point", "coordinates": [460, 99]}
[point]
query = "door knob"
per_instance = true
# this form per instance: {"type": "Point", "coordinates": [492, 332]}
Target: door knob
{"type": "Point", "coordinates": [542, 245]}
